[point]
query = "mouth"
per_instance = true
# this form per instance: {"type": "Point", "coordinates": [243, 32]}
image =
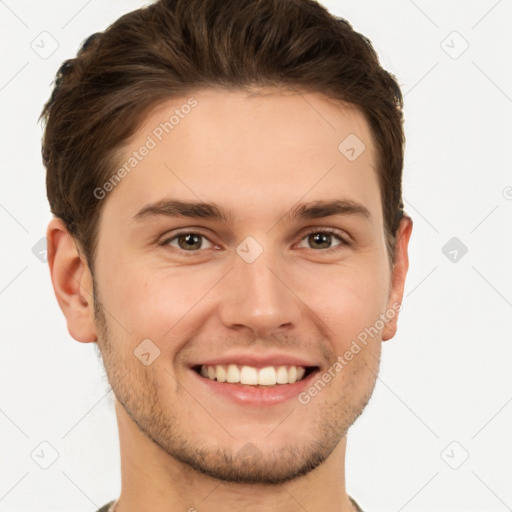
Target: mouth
{"type": "Point", "coordinates": [255, 377]}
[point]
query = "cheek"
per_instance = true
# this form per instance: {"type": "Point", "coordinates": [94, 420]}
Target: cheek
{"type": "Point", "coordinates": [350, 303]}
{"type": "Point", "coordinates": [151, 302]}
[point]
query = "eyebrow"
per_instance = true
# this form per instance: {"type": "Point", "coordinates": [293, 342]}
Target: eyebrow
{"type": "Point", "coordinates": [212, 211]}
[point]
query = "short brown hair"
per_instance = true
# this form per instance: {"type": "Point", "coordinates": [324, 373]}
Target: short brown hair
{"type": "Point", "coordinates": [174, 47]}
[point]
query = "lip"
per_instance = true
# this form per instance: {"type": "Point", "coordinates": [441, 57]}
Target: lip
{"type": "Point", "coordinates": [258, 361]}
{"type": "Point", "coordinates": [261, 396]}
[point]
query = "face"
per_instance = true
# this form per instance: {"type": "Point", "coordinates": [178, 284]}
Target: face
{"type": "Point", "coordinates": [275, 279]}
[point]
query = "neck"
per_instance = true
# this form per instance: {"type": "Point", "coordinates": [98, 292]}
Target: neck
{"type": "Point", "coordinates": [151, 479]}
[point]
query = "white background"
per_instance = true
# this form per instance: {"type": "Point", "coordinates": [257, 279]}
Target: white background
{"type": "Point", "coordinates": [446, 377]}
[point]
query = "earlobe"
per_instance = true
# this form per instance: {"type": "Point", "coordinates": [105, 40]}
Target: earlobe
{"type": "Point", "coordinates": [72, 282]}
{"type": "Point", "coordinates": [399, 273]}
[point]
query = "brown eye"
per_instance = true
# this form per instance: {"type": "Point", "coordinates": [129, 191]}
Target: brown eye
{"type": "Point", "coordinates": [188, 241]}
{"type": "Point", "coordinates": [323, 240]}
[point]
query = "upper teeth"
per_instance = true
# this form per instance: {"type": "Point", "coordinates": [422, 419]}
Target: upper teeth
{"type": "Point", "coordinates": [267, 376]}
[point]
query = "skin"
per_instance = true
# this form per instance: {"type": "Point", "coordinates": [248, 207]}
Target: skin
{"type": "Point", "coordinates": [256, 155]}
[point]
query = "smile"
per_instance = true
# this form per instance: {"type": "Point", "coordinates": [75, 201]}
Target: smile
{"type": "Point", "coordinates": [252, 376]}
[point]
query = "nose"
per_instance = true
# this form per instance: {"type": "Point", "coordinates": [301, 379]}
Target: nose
{"type": "Point", "coordinates": [260, 296]}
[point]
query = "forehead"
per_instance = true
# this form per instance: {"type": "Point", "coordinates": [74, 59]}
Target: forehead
{"type": "Point", "coordinates": [257, 153]}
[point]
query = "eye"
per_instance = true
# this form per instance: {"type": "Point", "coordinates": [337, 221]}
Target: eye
{"type": "Point", "coordinates": [192, 242]}
{"type": "Point", "coordinates": [188, 241]}
{"type": "Point", "coordinates": [322, 239]}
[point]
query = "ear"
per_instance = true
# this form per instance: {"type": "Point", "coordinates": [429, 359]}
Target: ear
{"type": "Point", "coordinates": [399, 272]}
{"type": "Point", "coordinates": [72, 282]}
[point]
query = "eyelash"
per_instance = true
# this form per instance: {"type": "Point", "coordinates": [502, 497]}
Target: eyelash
{"type": "Point", "coordinates": [342, 240]}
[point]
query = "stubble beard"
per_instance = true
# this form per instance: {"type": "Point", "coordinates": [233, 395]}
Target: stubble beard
{"type": "Point", "coordinates": [137, 391]}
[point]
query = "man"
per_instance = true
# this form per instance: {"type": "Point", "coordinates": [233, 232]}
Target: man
{"type": "Point", "coordinates": [225, 179]}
